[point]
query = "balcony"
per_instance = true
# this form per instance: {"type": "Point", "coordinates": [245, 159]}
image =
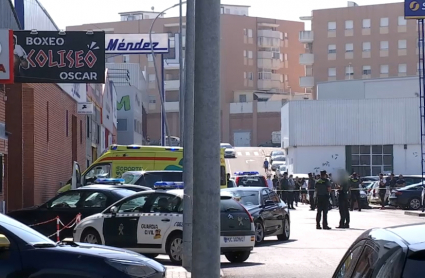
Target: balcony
{"type": "Point", "coordinates": [273, 64]}
{"type": "Point", "coordinates": [172, 85]}
{"type": "Point", "coordinates": [270, 34]}
{"type": "Point", "coordinates": [171, 106]}
{"type": "Point", "coordinates": [306, 36]}
{"type": "Point", "coordinates": [306, 59]}
{"type": "Point", "coordinates": [307, 81]}
{"type": "Point", "coordinates": [274, 81]}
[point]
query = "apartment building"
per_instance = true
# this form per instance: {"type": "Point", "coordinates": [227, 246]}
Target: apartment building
{"type": "Point", "coordinates": [359, 42]}
{"type": "Point", "coordinates": [257, 55]}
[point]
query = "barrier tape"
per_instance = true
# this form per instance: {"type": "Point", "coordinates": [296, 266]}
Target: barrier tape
{"type": "Point", "coordinates": [313, 190]}
{"type": "Point", "coordinates": [71, 224]}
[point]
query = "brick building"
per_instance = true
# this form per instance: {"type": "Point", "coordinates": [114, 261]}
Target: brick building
{"type": "Point", "coordinates": [3, 147]}
{"type": "Point", "coordinates": [45, 135]}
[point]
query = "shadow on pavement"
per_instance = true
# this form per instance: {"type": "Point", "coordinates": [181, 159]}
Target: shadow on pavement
{"type": "Point", "coordinates": [274, 242]}
{"type": "Point", "coordinates": [245, 264]}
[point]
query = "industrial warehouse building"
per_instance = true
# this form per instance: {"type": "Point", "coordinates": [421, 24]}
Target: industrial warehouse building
{"type": "Point", "coordinates": [366, 126]}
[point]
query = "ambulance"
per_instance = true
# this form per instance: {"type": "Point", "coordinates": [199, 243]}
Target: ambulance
{"type": "Point", "coordinates": [119, 159]}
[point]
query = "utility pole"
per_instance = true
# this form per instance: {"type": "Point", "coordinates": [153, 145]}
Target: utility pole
{"type": "Point", "coordinates": [188, 135]}
{"type": "Point", "coordinates": [206, 159]}
{"type": "Point", "coordinates": [181, 75]}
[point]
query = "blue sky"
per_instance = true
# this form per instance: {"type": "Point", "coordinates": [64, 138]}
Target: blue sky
{"type": "Point", "coordinates": [76, 12]}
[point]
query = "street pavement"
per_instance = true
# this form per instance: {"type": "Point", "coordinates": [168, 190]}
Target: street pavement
{"type": "Point", "coordinates": [248, 159]}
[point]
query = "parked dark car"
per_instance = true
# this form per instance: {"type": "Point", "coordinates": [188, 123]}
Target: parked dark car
{"type": "Point", "coordinates": [25, 253]}
{"type": "Point", "coordinates": [87, 200]}
{"type": "Point", "coordinates": [408, 197]}
{"type": "Point", "coordinates": [270, 213]}
{"type": "Point", "coordinates": [149, 178]}
{"type": "Point", "coordinates": [250, 179]}
{"type": "Point", "coordinates": [385, 252]}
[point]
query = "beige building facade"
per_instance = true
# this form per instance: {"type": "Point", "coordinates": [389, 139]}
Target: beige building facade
{"type": "Point", "coordinates": [359, 42]}
{"type": "Point", "coordinates": [257, 54]}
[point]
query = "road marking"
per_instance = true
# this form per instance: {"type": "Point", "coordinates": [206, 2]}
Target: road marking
{"type": "Point", "coordinates": [255, 153]}
{"type": "Point", "coordinates": [247, 153]}
{"type": "Point", "coordinates": [239, 153]}
{"type": "Point", "coordinates": [250, 160]}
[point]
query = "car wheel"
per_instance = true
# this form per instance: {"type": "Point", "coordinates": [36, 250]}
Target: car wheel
{"type": "Point", "coordinates": [237, 256]}
{"type": "Point", "coordinates": [151, 256]}
{"type": "Point", "coordinates": [286, 230]}
{"type": "Point", "coordinates": [91, 236]}
{"type": "Point", "coordinates": [174, 248]}
{"type": "Point", "coordinates": [415, 203]}
{"type": "Point", "coordinates": [259, 232]}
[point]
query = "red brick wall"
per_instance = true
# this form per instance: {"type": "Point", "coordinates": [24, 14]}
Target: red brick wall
{"type": "Point", "coordinates": [41, 151]}
{"type": "Point", "coordinates": [3, 143]}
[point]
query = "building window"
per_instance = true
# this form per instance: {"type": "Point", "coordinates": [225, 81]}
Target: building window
{"type": "Point", "coordinates": [250, 54]}
{"type": "Point", "coordinates": [245, 32]}
{"type": "Point", "coordinates": [349, 71]}
{"type": "Point", "coordinates": [367, 70]}
{"type": "Point", "coordinates": [349, 47]}
{"type": "Point", "coordinates": [349, 25]}
{"type": "Point", "coordinates": [331, 72]}
{"type": "Point", "coordinates": [81, 131]}
{"type": "Point", "coordinates": [126, 58]}
{"type": "Point", "coordinates": [331, 48]}
{"type": "Point", "coordinates": [384, 45]}
{"type": "Point", "coordinates": [371, 160]}
{"type": "Point", "coordinates": [249, 33]}
{"type": "Point", "coordinates": [150, 57]}
{"type": "Point", "coordinates": [152, 78]}
{"type": "Point", "coordinates": [402, 44]}
{"type": "Point", "coordinates": [332, 26]}
{"type": "Point", "coordinates": [122, 125]}
{"type": "Point", "coordinates": [366, 46]}
{"type": "Point", "coordinates": [47, 122]}
{"type": "Point", "coordinates": [401, 21]}
{"type": "Point", "coordinates": [242, 98]}
{"type": "Point", "coordinates": [366, 23]}
{"type": "Point", "coordinates": [152, 99]}
{"type": "Point", "coordinates": [384, 22]}
{"type": "Point", "coordinates": [245, 54]}
{"type": "Point", "coordinates": [88, 125]}
{"type": "Point", "coordinates": [66, 123]}
{"type": "Point", "coordinates": [402, 68]}
{"type": "Point", "coordinates": [250, 76]}
{"type": "Point", "coordinates": [384, 69]}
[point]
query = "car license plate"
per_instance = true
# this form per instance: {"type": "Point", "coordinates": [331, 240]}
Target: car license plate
{"type": "Point", "coordinates": [234, 239]}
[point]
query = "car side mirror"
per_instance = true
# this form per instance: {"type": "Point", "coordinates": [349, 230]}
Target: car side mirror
{"type": "Point", "coordinates": [269, 203]}
{"type": "Point", "coordinates": [4, 242]}
{"type": "Point", "coordinates": [114, 210]}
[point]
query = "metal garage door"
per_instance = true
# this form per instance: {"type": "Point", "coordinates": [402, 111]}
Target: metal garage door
{"type": "Point", "coordinates": [242, 139]}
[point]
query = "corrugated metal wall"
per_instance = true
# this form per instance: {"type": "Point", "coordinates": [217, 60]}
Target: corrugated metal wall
{"type": "Point", "coordinates": [354, 122]}
{"type": "Point", "coordinates": [7, 16]}
{"type": "Point", "coordinates": [284, 132]}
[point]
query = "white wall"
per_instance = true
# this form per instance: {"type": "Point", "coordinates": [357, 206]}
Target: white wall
{"type": "Point", "coordinates": [284, 132]}
{"type": "Point", "coordinates": [407, 161]}
{"type": "Point", "coordinates": [303, 160]}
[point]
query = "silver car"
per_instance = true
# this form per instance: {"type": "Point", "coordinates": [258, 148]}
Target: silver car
{"type": "Point", "coordinates": [229, 151]}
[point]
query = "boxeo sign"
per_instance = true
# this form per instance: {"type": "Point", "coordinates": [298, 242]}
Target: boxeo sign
{"type": "Point", "coordinates": [6, 56]}
{"type": "Point", "coordinates": [136, 44]}
{"type": "Point", "coordinates": [53, 57]}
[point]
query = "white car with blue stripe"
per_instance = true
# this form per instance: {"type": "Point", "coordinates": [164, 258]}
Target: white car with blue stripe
{"type": "Point", "coordinates": [151, 223]}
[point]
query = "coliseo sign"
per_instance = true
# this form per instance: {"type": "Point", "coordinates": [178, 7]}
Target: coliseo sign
{"type": "Point", "coordinates": [52, 57]}
{"type": "Point", "coordinates": [6, 56]}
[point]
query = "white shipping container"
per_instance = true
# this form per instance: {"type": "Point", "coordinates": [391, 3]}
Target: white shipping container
{"type": "Point", "coordinates": [351, 122]}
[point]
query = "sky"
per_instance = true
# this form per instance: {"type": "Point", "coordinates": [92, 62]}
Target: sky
{"type": "Point", "coordinates": [76, 12]}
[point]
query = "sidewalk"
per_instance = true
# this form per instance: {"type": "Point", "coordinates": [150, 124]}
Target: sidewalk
{"type": "Point", "coordinates": [181, 272]}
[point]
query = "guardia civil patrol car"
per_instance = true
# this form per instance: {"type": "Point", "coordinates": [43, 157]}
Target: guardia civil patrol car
{"type": "Point", "coordinates": [151, 223]}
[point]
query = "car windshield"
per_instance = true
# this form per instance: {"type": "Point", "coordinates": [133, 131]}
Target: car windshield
{"type": "Point", "coordinates": [279, 158]}
{"type": "Point", "coordinates": [130, 178]}
{"type": "Point", "coordinates": [245, 197]}
{"type": "Point", "coordinates": [251, 181]}
{"type": "Point", "coordinates": [124, 192]}
{"type": "Point", "coordinates": [276, 153]}
{"type": "Point", "coordinates": [412, 186]}
{"type": "Point", "coordinates": [415, 265]}
{"type": "Point", "coordinates": [226, 146]}
{"type": "Point", "coordinates": [22, 231]}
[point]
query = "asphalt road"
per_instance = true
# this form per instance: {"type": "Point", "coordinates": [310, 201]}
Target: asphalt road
{"type": "Point", "coordinates": [248, 159]}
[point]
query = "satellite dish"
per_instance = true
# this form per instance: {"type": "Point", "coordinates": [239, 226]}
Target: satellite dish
{"type": "Point", "coordinates": [152, 8]}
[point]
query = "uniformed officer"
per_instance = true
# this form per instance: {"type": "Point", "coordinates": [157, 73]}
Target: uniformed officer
{"type": "Point", "coordinates": [323, 188]}
{"type": "Point", "coordinates": [311, 188]}
{"type": "Point", "coordinates": [355, 182]}
{"type": "Point", "coordinates": [343, 190]}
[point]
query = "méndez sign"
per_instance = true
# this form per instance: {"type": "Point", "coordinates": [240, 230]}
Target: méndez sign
{"type": "Point", "coordinates": [53, 57]}
{"type": "Point", "coordinates": [136, 44]}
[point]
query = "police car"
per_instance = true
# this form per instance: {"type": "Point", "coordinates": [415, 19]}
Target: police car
{"type": "Point", "coordinates": [250, 179]}
{"type": "Point", "coordinates": [151, 222]}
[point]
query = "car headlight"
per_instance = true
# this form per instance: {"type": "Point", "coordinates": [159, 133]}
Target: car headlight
{"type": "Point", "coordinates": [134, 269]}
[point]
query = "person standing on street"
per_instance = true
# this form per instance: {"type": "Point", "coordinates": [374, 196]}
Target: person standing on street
{"type": "Point", "coordinates": [344, 212]}
{"type": "Point", "coordinates": [269, 181]}
{"type": "Point", "coordinates": [382, 190]}
{"type": "Point", "coordinates": [266, 165]}
{"type": "Point", "coordinates": [355, 182]}
{"type": "Point", "coordinates": [400, 182]}
{"type": "Point", "coordinates": [304, 187]}
{"type": "Point", "coordinates": [298, 185]}
{"type": "Point", "coordinates": [311, 188]}
{"type": "Point", "coordinates": [333, 196]}
{"type": "Point", "coordinates": [323, 188]}
{"type": "Point", "coordinates": [291, 185]}
{"type": "Point", "coordinates": [284, 187]}
{"type": "Point", "coordinates": [275, 181]}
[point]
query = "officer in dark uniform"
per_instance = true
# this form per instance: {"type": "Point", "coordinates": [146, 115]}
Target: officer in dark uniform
{"type": "Point", "coordinates": [311, 188]}
{"type": "Point", "coordinates": [355, 182]}
{"type": "Point", "coordinates": [343, 190]}
{"type": "Point", "coordinates": [323, 188]}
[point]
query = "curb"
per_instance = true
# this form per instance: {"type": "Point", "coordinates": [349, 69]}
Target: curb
{"type": "Point", "coordinates": [415, 213]}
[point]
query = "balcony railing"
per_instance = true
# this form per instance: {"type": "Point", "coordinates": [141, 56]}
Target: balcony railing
{"type": "Point", "coordinates": [306, 59]}
{"type": "Point", "coordinates": [172, 85]}
{"type": "Point", "coordinates": [306, 36]}
{"type": "Point", "coordinates": [307, 81]}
